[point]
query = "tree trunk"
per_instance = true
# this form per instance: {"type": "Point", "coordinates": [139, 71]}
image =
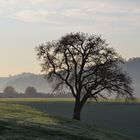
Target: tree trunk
{"type": "Point", "coordinates": [77, 111]}
{"type": "Point", "coordinates": [78, 107]}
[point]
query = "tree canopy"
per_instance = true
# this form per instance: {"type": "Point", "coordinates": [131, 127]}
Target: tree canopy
{"type": "Point", "coordinates": [9, 91]}
{"type": "Point", "coordinates": [85, 65]}
{"type": "Point", "coordinates": [30, 91]}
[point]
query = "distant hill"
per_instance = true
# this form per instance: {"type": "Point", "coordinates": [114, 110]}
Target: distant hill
{"type": "Point", "coordinates": [132, 66]}
{"type": "Point", "coordinates": [21, 81]}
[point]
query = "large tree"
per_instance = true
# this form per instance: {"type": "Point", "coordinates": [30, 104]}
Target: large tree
{"type": "Point", "coordinates": [85, 65]}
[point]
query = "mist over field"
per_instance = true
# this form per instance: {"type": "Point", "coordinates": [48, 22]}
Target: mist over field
{"type": "Point", "coordinates": [21, 81]}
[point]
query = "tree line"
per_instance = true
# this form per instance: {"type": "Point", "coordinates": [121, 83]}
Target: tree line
{"type": "Point", "coordinates": [30, 92]}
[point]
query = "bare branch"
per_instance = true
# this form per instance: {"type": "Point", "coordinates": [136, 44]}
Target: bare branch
{"type": "Point", "coordinates": [86, 66]}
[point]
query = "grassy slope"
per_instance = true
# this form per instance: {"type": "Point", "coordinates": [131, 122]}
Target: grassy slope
{"type": "Point", "coordinates": [18, 122]}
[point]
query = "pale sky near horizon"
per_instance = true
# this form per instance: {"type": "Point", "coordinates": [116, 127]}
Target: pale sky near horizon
{"type": "Point", "coordinates": [24, 24]}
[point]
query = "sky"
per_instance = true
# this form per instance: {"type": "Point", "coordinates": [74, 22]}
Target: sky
{"type": "Point", "coordinates": [25, 24]}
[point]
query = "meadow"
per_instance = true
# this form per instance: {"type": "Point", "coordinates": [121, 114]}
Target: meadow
{"type": "Point", "coordinates": [20, 122]}
{"type": "Point", "coordinates": [111, 115]}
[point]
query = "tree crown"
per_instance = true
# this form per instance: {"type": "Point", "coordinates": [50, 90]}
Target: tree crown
{"type": "Point", "coordinates": [85, 65]}
{"type": "Point", "coordinates": [30, 91]}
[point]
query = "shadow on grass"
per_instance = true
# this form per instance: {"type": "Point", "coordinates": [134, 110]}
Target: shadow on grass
{"type": "Point", "coordinates": [10, 130]}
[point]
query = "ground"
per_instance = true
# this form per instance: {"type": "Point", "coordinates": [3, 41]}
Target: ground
{"type": "Point", "coordinates": [20, 122]}
{"type": "Point", "coordinates": [115, 115]}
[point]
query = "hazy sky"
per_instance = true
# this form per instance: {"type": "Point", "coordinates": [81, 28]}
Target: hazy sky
{"type": "Point", "coordinates": [24, 24]}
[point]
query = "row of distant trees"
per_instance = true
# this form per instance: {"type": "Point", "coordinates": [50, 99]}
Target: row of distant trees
{"type": "Point", "coordinates": [10, 92]}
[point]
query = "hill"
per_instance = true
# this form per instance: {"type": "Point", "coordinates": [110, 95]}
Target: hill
{"type": "Point", "coordinates": [22, 81]}
{"type": "Point", "coordinates": [18, 122]}
{"type": "Point", "coordinates": [132, 67]}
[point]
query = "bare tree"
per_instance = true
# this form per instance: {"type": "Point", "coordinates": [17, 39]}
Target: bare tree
{"type": "Point", "coordinates": [85, 65]}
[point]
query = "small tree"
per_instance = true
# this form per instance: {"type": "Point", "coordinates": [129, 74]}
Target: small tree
{"type": "Point", "coordinates": [31, 92]}
{"type": "Point", "coordinates": [86, 66]}
{"type": "Point", "coordinates": [9, 91]}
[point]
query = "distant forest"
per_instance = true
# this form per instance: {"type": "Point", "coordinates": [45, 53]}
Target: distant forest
{"type": "Point", "coordinates": [43, 87]}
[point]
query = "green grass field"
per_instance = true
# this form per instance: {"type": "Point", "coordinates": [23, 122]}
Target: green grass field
{"type": "Point", "coordinates": [59, 100]}
{"type": "Point", "coordinates": [35, 99]}
{"type": "Point", "coordinates": [19, 122]}
{"type": "Point", "coordinates": [112, 114]}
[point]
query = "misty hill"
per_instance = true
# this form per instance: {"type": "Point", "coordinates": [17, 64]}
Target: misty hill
{"type": "Point", "coordinates": [132, 66]}
{"type": "Point", "coordinates": [21, 81]}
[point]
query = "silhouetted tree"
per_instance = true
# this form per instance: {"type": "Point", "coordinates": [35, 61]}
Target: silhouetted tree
{"type": "Point", "coordinates": [86, 66]}
{"type": "Point", "coordinates": [9, 91]}
{"type": "Point", "coordinates": [31, 92]}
